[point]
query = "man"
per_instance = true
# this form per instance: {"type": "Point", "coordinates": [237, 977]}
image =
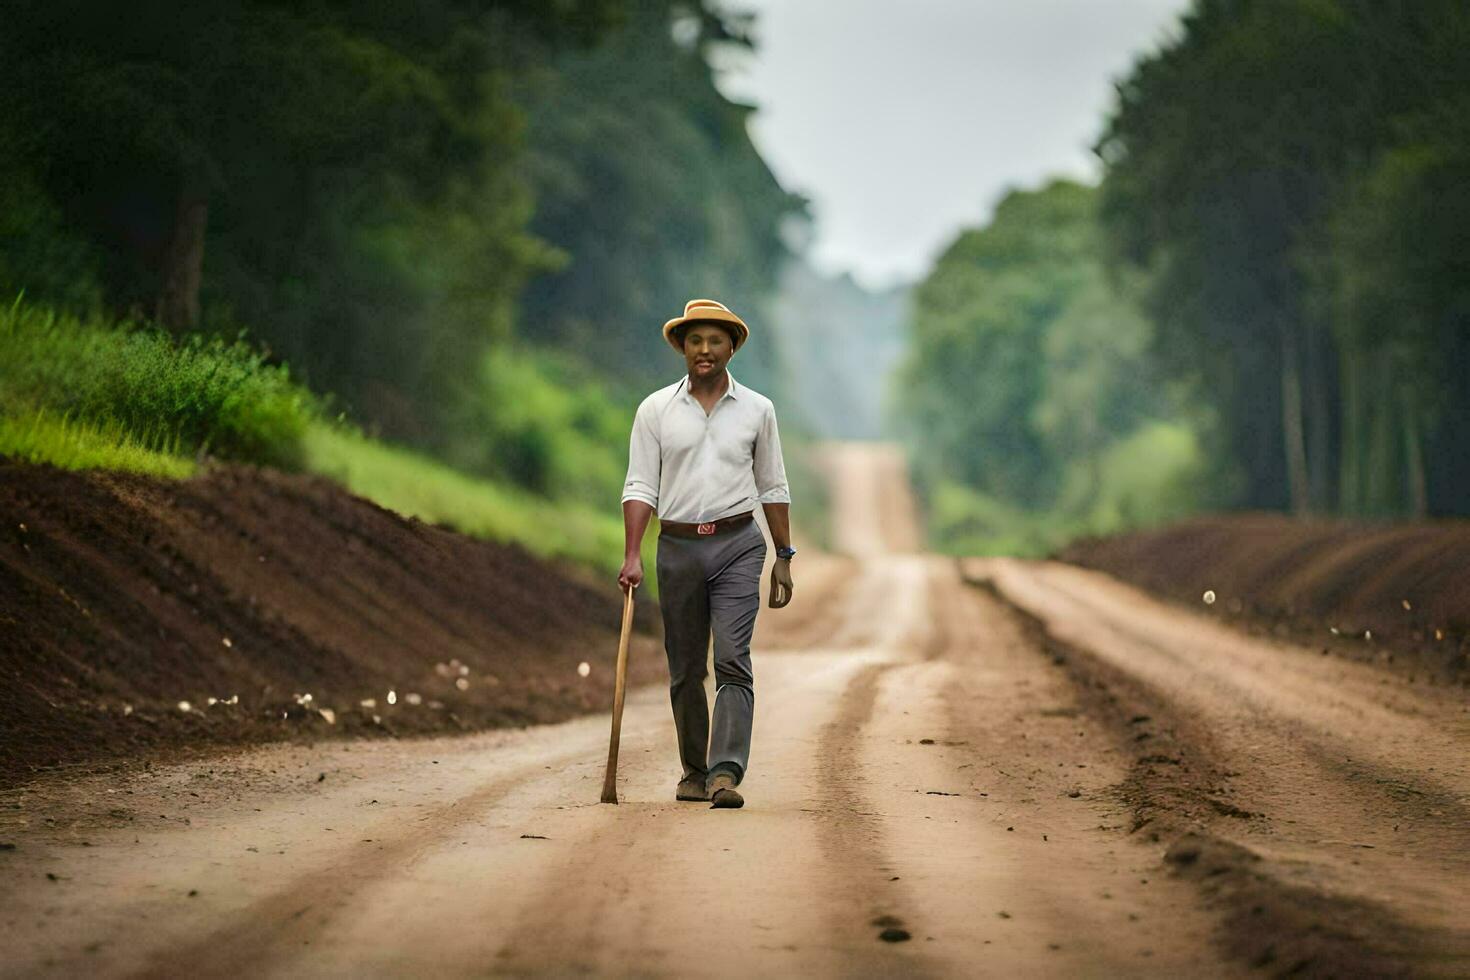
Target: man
{"type": "Point", "coordinates": [704, 450]}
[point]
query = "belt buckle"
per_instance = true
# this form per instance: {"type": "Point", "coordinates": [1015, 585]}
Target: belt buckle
{"type": "Point", "coordinates": [705, 528]}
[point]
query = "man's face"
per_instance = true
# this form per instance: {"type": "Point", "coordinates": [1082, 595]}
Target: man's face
{"type": "Point", "coordinates": [707, 350]}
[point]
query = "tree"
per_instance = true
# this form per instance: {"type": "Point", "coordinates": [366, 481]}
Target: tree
{"type": "Point", "coordinates": [645, 176]}
{"type": "Point", "coordinates": [1231, 157]}
{"type": "Point", "coordinates": [1398, 281]}
{"type": "Point", "coordinates": [1030, 394]}
{"type": "Point", "coordinates": [1024, 358]}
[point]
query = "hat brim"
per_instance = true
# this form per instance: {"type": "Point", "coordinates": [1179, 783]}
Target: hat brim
{"type": "Point", "coordinates": [707, 315]}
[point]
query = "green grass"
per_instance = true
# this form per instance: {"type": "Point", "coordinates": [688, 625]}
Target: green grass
{"type": "Point", "coordinates": [415, 485]}
{"type": "Point", "coordinates": [1153, 476]}
{"type": "Point", "coordinates": [40, 437]}
{"type": "Point", "coordinates": [964, 521]}
{"type": "Point", "coordinates": [194, 394]}
{"type": "Point", "coordinates": [544, 421]}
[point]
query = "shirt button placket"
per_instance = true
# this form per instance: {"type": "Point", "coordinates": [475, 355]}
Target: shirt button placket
{"type": "Point", "coordinates": [704, 453]}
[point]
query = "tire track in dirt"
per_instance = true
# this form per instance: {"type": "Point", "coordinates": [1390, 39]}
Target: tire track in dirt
{"type": "Point", "coordinates": [1270, 831]}
{"type": "Point", "coordinates": [267, 934]}
{"type": "Point", "coordinates": [874, 903]}
{"type": "Point", "coordinates": [659, 882]}
{"type": "Point", "coordinates": [812, 911]}
{"type": "Point", "coordinates": [1000, 817]}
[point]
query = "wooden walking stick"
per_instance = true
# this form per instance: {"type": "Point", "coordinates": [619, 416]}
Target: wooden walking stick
{"type": "Point", "coordinates": [620, 684]}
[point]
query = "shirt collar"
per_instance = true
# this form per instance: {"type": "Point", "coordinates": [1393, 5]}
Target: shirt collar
{"type": "Point", "coordinates": [732, 390]}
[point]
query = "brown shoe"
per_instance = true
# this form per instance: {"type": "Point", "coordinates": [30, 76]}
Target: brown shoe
{"type": "Point", "coordinates": [722, 793]}
{"type": "Point", "coordinates": [691, 791]}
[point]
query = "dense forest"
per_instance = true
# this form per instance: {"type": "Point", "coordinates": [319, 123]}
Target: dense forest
{"type": "Point", "coordinates": [1266, 304]}
{"type": "Point", "coordinates": [1294, 176]}
{"type": "Point", "coordinates": [465, 220]}
{"type": "Point", "coordinates": [1029, 394]}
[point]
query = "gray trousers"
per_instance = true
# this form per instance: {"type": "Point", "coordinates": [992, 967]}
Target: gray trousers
{"type": "Point", "coordinates": [711, 585]}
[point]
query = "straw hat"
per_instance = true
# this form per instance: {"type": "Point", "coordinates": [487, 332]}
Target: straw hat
{"type": "Point", "coordinates": [706, 311]}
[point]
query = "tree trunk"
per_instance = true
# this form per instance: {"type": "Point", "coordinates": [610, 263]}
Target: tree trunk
{"type": "Point", "coordinates": [1350, 496]}
{"type": "Point", "coordinates": [1323, 447]}
{"type": "Point", "coordinates": [1414, 459]}
{"type": "Point", "coordinates": [1381, 465]}
{"type": "Point", "coordinates": [183, 265]}
{"type": "Point", "coordinates": [1291, 418]}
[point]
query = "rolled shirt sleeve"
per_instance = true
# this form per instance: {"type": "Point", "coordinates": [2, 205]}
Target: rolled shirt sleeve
{"type": "Point", "coordinates": [644, 459]}
{"type": "Point", "coordinates": [770, 469]}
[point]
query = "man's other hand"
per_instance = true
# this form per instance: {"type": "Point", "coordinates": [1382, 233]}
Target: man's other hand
{"type": "Point", "coordinates": [631, 575]}
{"type": "Point", "coordinates": [781, 584]}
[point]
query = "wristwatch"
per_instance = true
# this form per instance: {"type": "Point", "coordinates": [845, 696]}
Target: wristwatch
{"type": "Point", "coordinates": [786, 554]}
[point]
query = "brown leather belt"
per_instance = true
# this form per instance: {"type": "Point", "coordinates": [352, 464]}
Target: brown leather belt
{"type": "Point", "coordinates": [679, 529]}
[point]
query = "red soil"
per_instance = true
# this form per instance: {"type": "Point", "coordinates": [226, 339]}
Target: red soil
{"type": "Point", "coordinates": [121, 597]}
{"type": "Point", "coordinates": [1396, 593]}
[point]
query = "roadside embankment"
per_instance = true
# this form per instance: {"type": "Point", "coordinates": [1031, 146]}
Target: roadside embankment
{"type": "Point", "coordinates": [1396, 594]}
{"type": "Point", "coordinates": [245, 605]}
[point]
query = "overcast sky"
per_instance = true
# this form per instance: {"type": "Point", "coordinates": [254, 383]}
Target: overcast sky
{"type": "Point", "coordinates": [905, 120]}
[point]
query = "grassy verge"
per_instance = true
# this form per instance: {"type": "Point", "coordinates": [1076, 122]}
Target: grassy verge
{"type": "Point", "coordinates": [140, 383]}
{"type": "Point", "coordinates": [40, 437]}
{"type": "Point", "coordinates": [415, 485]}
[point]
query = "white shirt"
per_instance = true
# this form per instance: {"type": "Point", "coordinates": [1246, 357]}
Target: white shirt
{"type": "Point", "coordinates": [694, 467]}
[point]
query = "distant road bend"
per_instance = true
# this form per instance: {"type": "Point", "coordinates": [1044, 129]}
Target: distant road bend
{"type": "Point", "coordinates": [989, 767]}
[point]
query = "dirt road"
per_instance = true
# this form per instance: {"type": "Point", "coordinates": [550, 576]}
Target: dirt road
{"type": "Point", "coordinates": [946, 780]}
